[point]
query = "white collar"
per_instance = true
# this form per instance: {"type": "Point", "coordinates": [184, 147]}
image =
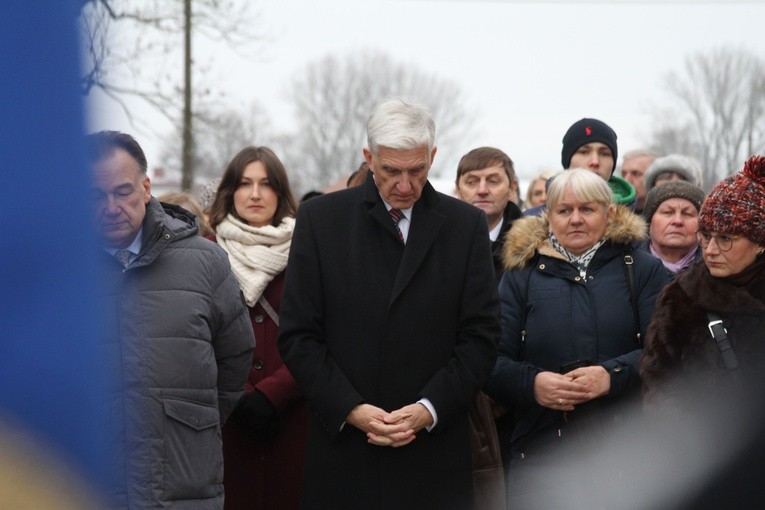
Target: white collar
{"type": "Point", "coordinates": [494, 233]}
{"type": "Point", "coordinates": [134, 247]}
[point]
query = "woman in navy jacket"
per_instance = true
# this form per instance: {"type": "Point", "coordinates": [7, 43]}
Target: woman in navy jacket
{"type": "Point", "coordinates": [571, 327]}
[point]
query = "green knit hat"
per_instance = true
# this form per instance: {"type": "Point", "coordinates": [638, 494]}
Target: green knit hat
{"type": "Point", "coordinates": [623, 191]}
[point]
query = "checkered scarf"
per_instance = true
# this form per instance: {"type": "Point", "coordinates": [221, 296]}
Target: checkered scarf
{"type": "Point", "coordinates": [580, 262]}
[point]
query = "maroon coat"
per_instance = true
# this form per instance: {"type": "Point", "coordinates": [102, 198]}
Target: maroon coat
{"type": "Point", "coordinates": [263, 472]}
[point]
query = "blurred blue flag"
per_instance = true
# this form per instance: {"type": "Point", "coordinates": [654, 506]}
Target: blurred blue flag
{"type": "Point", "coordinates": [53, 380]}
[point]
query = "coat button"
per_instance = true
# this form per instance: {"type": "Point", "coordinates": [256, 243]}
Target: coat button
{"type": "Point", "coordinates": [258, 364]}
{"type": "Point", "coordinates": [578, 278]}
{"type": "Point", "coordinates": [258, 319]}
{"type": "Point", "coordinates": [541, 266]}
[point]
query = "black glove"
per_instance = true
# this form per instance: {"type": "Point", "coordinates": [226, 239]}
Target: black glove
{"type": "Point", "coordinates": [255, 414]}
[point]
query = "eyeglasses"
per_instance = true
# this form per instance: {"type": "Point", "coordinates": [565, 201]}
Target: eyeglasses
{"type": "Point", "coordinates": [724, 242]}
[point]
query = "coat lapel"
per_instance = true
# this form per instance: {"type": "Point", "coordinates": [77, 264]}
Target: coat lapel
{"type": "Point", "coordinates": [376, 207]}
{"type": "Point", "coordinates": [384, 242]}
{"type": "Point", "coordinates": [425, 226]}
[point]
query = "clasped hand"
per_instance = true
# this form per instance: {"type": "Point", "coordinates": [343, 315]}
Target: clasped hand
{"type": "Point", "coordinates": [563, 392]}
{"type": "Point", "coordinates": [397, 428]}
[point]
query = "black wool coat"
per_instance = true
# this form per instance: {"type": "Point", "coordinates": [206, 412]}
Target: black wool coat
{"type": "Point", "coordinates": [512, 213]}
{"type": "Point", "coordinates": [365, 319]}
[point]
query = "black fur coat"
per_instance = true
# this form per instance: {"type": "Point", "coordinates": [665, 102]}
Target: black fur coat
{"type": "Point", "coordinates": [679, 353]}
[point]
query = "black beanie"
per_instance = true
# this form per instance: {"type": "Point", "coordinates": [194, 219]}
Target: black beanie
{"type": "Point", "coordinates": [585, 131]}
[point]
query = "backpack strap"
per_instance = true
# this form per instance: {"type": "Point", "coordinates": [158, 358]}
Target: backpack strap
{"type": "Point", "coordinates": [269, 310]}
{"type": "Point", "coordinates": [720, 336]}
{"type": "Point", "coordinates": [628, 261]}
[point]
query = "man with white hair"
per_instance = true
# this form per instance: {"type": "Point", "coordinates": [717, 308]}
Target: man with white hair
{"type": "Point", "coordinates": [389, 324]}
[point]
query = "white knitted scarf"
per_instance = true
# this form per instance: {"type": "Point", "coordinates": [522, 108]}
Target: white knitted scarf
{"type": "Point", "coordinates": [257, 254]}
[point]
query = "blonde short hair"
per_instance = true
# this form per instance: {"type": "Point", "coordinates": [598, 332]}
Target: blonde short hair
{"type": "Point", "coordinates": [586, 186]}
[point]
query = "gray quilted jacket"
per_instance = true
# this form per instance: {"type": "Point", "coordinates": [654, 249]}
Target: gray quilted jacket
{"type": "Point", "coordinates": [181, 360]}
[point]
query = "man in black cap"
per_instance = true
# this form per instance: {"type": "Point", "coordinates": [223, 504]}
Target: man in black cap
{"type": "Point", "coordinates": [591, 144]}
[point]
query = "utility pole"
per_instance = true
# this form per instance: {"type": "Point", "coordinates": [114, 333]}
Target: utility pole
{"type": "Point", "coordinates": [187, 165]}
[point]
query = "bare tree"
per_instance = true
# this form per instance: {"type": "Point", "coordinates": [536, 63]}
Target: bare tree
{"type": "Point", "coordinates": [131, 50]}
{"type": "Point", "coordinates": [717, 113]}
{"type": "Point", "coordinates": [332, 101]}
{"type": "Point", "coordinates": [220, 134]}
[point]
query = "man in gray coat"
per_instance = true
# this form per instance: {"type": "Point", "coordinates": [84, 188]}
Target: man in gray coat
{"type": "Point", "coordinates": [182, 340]}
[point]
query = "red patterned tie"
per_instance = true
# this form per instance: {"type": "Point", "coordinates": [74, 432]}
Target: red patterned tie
{"type": "Point", "coordinates": [395, 216]}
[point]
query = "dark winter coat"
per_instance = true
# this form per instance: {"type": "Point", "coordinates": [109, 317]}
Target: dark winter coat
{"type": "Point", "coordinates": [567, 319]}
{"type": "Point", "coordinates": [367, 319]}
{"type": "Point", "coordinates": [710, 415]}
{"type": "Point", "coordinates": [490, 436]}
{"type": "Point", "coordinates": [264, 471]}
{"type": "Point", "coordinates": [183, 343]}
{"type": "Point", "coordinates": [512, 213]}
{"type": "Point", "coordinates": [679, 348]}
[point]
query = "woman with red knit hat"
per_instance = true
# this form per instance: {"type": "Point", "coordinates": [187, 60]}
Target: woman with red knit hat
{"type": "Point", "coordinates": [708, 328]}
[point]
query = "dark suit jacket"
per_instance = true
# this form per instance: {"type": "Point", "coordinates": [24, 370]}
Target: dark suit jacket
{"type": "Point", "coordinates": [366, 319]}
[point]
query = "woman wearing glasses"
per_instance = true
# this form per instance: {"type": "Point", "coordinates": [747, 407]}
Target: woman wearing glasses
{"type": "Point", "coordinates": [682, 363]}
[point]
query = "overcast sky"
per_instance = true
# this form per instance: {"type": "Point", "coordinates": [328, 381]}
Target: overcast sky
{"type": "Point", "coordinates": [530, 69]}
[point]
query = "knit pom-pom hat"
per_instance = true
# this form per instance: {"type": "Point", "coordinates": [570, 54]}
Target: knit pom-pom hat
{"type": "Point", "coordinates": [736, 205]}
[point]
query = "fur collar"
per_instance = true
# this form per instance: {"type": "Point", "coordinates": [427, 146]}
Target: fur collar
{"type": "Point", "coordinates": [529, 235]}
{"type": "Point", "coordinates": [717, 294]}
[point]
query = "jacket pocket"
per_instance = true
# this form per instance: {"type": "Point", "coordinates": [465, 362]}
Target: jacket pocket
{"type": "Point", "coordinates": [193, 463]}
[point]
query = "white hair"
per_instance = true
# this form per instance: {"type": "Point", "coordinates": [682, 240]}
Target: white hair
{"type": "Point", "coordinates": [587, 186]}
{"type": "Point", "coordinates": [400, 124]}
